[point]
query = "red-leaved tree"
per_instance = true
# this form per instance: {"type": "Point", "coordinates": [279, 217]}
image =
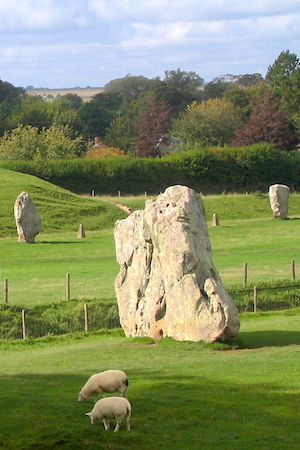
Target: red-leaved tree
{"type": "Point", "coordinates": [152, 124]}
{"type": "Point", "coordinates": [267, 123]}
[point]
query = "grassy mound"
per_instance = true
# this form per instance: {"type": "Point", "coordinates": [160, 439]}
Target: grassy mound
{"type": "Point", "coordinates": [60, 210]}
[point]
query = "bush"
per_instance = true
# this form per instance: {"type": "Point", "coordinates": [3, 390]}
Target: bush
{"type": "Point", "coordinates": [207, 170]}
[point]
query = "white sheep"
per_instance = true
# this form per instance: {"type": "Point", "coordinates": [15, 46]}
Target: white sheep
{"type": "Point", "coordinates": [108, 381]}
{"type": "Point", "coordinates": [111, 408]}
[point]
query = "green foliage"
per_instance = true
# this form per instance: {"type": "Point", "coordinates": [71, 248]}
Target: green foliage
{"type": "Point", "coordinates": [28, 143]}
{"type": "Point", "coordinates": [207, 170]}
{"type": "Point", "coordinates": [208, 123]}
{"type": "Point", "coordinates": [98, 113]}
{"type": "Point", "coordinates": [284, 77]}
{"type": "Point", "coordinates": [33, 111]}
{"type": "Point", "coordinates": [183, 81]}
{"type": "Point", "coordinates": [129, 88]}
{"type": "Point", "coordinates": [121, 134]}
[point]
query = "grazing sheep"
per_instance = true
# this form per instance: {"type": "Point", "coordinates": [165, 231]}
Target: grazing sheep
{"type": "Point", "coordinates": [111, 408]}
{"type": "Point", "coordinates": [108, 381]}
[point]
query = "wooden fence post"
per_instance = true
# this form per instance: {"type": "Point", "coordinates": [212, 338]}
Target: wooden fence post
{"type": "Point", "coordinates": [68, 286]}
{"type": "Point", "coordinates": [24, 333]}
{"type": "Point", "coordinates": [293, 270]}
{"type": "Point", "coordinates": [255, 299]}
{"type": "Point", "coordinates": [86, 317]}
{"type": "Point", "coordinates": [6, 291]}
{"type": "Point", "coordinates": [245, 274]}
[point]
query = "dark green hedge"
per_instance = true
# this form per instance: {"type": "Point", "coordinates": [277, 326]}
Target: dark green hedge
{"type": "Point", "coordinates": [210, 171]}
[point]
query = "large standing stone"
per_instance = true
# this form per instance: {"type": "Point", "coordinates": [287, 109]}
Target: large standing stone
{"type": "Point", "coordinates": [279, 200]}
{"type": "Point", "coordinates": [167, 284]}
{"type": "Point", "coordinates": [27, 218]}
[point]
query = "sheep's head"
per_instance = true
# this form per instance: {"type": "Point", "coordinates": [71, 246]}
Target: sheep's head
{"type": "Point", "coordinates": [80, 397]}
{"type": "Point", "coordinates": [94, 420]}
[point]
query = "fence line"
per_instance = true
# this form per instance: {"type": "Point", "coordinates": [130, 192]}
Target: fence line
{"type": "Point", "coordinates": [16, 323]}
{"type": "Point", "coordinates": [51, 321]}
{"type": "Point", "coordinates": [266, 298]}
{"type": "Point", "coordinates": [94, 317]}
{"type": "Point", "coordinates": [68, 281]}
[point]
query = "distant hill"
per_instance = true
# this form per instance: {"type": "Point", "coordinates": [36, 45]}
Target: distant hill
{"type": "Point", "coordinates": [50, 94]}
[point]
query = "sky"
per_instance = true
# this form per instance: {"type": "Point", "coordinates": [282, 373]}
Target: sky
{"type": "Point", "coordinates": [80, 43]}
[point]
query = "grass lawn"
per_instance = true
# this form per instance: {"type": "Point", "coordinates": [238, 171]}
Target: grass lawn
{"type": "Point", "coordinates": [184, 395]}
{"type": "Point", "coordinates": [37, 272]}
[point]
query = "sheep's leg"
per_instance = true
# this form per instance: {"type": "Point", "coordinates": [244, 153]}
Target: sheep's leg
{"type": "Point", "coordinates": [106, 424]}
{"type": "Point", "coordinates": [117, 425]}
{"type": "Point", "coordinates": [128, 423]}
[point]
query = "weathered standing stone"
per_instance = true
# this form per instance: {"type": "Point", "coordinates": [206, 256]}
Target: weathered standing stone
{"type": "Point", "coordinates": [81, 232]}
{"type": "Point", "coordinates": [215, 220]}
{"type": "Point", "coordinates": [27, 218]}
{"type": "Point", "coordinates": [167, 284]}
{"type": "Point", "coordinates": [279, 200]}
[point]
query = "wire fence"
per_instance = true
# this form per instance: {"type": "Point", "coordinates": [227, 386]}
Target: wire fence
{"type": "Point", "coordinates": [58, 319]}
{"type": "Point", "coordinates": [17, 323]}
{"type": "Point", "coordinates": [266, 298]}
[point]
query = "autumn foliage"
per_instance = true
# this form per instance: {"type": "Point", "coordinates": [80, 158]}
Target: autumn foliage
{"type": "Point", "coordinates": [268, 122]}
{"type": "Point", "coordinates": [152, 125]}
{"type": "Point", "coordinates": [103, 151]}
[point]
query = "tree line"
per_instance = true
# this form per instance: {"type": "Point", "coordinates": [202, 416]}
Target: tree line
{"type": "Point", "coordinates": [141, 117]}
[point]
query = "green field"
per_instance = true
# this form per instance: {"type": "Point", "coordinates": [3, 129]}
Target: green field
{"type": "Point", "coordinates": [183, 395]}
{"type": "Point", "coordinates": [37, 273]}
{"type": "Point", "coordinates": [239, 395]}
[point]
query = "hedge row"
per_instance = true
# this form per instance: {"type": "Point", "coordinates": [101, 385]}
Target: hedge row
{"type": "Point", "coordinates": [210, 171]}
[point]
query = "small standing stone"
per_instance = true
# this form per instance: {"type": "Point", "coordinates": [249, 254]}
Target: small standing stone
{"type": "Point", "coordinates": [27, 218]}
{"type": "Point", "coordinates": [215, 221]}
{"type": "Point", "coordinates": [81, 231]}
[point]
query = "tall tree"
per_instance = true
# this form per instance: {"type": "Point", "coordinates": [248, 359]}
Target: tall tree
{"type": "Point", "coordinates": [129, 87]}
{"type": "Point", "coordinates": [10, 98]}
{"type": "Point", "coordinates": [153, 123]}
{"type": "Point", "coordinates": [182, 80]}
{"type": "Point", "coordinates": [284, 77]}
{"type": "Point", "coordinates": [34, 111]}
{"type": "Point", "coordinates": [267, 123]}
{"type": "Point", "coordinates": [176, 98]}
{"type": "Point", "coordinates": [209, 123]}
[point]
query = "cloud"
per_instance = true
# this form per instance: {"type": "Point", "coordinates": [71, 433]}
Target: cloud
{"type": "Point", "coordinates": [148, 35]}
{"type": "Point", "coordinates": [90, 42]}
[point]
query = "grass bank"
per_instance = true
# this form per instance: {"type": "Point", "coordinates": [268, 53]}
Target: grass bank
{"type": "Point", "coordinates": [60, 210]}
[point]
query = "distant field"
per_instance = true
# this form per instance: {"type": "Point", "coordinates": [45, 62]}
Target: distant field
{"type": "Point", "coordinates": [50, 94]}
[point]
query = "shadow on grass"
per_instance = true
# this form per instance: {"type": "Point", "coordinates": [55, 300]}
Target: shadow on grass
{"type": "Point", "coordinates": [271, 338]}
{"type": "Point", "coordinates": [80, 240]}
{"type": "Point", "coordinates": [170, 410]}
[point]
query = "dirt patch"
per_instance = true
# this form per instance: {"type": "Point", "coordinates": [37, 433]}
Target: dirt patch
{"type": "Point", "coordinates": [124, 208]}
